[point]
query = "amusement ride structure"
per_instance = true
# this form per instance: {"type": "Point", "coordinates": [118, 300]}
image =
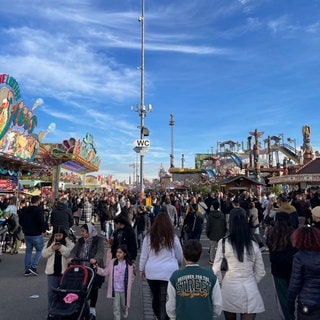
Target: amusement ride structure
{"type": "Point", "coordinates": [259, 160]}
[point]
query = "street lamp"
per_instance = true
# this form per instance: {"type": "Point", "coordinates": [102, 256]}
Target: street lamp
{"type": "Point", "coordinates": [294, 143]}
{"type": "Point", "coordinates": [171, 124]}
{"type": "Point", "coordinates": [141, 108]}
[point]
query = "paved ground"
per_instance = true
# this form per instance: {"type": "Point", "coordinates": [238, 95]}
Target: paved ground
{"type": "Point", "coordinates": [16, 292]}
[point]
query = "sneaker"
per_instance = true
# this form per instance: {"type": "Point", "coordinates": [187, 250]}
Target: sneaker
{"type": "Point", "coordinates": [28, 273]}
{"type": "Point", "coordinates": [125, 315]}
{"type": "Point", "coordinates": [34, 271]}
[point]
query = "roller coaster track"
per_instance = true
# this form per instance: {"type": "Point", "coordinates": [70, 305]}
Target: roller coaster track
{"type": "Point", "coordinates": [287, 150]}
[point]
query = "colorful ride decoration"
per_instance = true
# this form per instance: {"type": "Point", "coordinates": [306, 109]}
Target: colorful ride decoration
{"type": "Point", "coordinates": [77, 156]}
{"type": "Point", "coordinates": [17, 123]}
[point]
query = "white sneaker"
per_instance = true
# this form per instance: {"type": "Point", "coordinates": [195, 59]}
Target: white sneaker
{"type": "Point", "coordinates": [93, 311]}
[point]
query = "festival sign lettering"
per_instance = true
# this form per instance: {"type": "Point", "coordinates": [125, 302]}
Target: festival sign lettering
{"type": "Point", "coordinates": [6, 185]}
{"type": "Point", "coordinates": [17, 122]}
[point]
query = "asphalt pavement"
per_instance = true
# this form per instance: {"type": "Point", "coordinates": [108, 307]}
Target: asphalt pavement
{"type": "Point", "coordinates": [25, 298]}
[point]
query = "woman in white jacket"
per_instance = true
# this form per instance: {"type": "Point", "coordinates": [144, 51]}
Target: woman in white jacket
{"type": "Point", "coordinates": [240, 292]}
{"type": "Point", "coordinates": [161, 255]}
{"type": "Point", "coordinates": [56, 251]}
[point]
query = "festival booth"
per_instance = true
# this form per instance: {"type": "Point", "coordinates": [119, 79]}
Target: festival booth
{"type": "Point", "coordinates": [73, 156]}
{"type": "Point", "coordinates": [307, 176]}
{"type": "Point", "coordinates": [18, 142]}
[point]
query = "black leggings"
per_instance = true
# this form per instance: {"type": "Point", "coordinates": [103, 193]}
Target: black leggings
{"type": "Point", "coordinates": [93, 297]}
{"type": "Point", "coordinates": [97, 283]}
{"type": "Point", "coordinates": [159, 298]}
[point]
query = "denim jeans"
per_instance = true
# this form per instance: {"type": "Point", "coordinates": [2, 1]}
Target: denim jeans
{"type": "Point", "coordinates": [109, 229]}
{"type": "Point", "coordinates": [33, 242]}
{"type": "Point", "coordinates": [53, 283]}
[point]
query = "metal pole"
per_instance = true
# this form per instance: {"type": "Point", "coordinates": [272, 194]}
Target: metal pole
{"type": "Point", "coordinates": [171, 124]}
{"type": "Point", "coordinates": [142, 106]}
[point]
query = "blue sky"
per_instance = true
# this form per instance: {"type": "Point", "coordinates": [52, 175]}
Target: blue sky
{"type": "Point", "coordinates": [223, 68]}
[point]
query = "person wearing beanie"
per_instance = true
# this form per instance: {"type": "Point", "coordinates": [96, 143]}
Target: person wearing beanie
{"type": "Point", "coordinates": [316, 216]}
{"type": "Point", "coordinates": [286, 208]}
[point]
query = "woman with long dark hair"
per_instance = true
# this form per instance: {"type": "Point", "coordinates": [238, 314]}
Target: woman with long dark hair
{"type": "Point", "coordinates": [240, 293]}
{"type": "Point", "coordinates": [161, 255]}
{"type": "Point", "coordinates": [56, 251]}
{"type": "Point", "coordinates": [281, 256]}
{"type": "Point", "coordinates": [305, 277]}
{"type": "Point", "coordinates": [193, 222]}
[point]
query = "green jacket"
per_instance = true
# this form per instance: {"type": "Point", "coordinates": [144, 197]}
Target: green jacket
{"type": "Point", "coordinates": [193, 288]}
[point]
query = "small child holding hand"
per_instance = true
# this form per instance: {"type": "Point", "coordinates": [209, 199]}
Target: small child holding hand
{"type": "Point", "coordinates": [120, 271]}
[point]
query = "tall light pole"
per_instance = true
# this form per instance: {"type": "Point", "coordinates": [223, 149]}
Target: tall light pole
{"type": "Point", "coordinates": [141, 108]}
{"type": "Point", "coordinates": [171, 124]}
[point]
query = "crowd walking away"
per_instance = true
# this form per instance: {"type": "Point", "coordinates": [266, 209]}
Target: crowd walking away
{"type": "Point", "coordinates": [240, 227]}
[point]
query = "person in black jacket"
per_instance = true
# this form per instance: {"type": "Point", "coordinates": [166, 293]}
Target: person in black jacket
{"type": "Point", "coordinates": [281, 256]}
{"type": "Point", "coordinates": [61, 215]}
{"type": "Point", "coordinates": [123, 234]}
{"type": "Point", "coordinates": [305, 276]}
{"type": "Point", "coordinates": [33, 225]}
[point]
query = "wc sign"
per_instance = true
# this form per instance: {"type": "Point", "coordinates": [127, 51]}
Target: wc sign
{"type": "Point", "coordinates": [142, 143]}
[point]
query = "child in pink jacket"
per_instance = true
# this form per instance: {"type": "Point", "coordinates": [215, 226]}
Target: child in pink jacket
{"type": "Point", "coordinates": [121, 276]}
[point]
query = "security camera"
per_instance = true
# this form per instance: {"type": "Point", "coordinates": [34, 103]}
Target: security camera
{"type": "Point", "coordinates": [140, 19]}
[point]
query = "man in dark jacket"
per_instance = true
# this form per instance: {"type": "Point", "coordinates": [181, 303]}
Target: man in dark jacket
{"type": "Point", "coordinates": [215, 228]}
{"type": "Point", "coordinates": [61, 215]}
{"type": "Point", "coordinates": [33, 225]}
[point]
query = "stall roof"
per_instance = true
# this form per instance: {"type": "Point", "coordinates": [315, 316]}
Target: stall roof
{"type": "Point", "coordinates": [15, 163]}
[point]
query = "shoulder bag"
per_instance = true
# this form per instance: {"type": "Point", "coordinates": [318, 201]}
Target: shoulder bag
{"type": "Point", "coordinates": [224, 262]}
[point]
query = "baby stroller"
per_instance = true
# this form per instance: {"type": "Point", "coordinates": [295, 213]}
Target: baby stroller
{"type": "Point", "coordinates": [73, 293]}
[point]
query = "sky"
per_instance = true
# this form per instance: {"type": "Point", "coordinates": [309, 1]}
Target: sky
{"type": "Point", "coordinates": [223, 68]}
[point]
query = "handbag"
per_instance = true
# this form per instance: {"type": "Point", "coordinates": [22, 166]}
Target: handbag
{"type": "Point", "coordinates": [224, 262]}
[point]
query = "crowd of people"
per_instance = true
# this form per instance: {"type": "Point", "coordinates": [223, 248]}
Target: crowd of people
{"type": "Point", "coordinates": [166, 228]}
